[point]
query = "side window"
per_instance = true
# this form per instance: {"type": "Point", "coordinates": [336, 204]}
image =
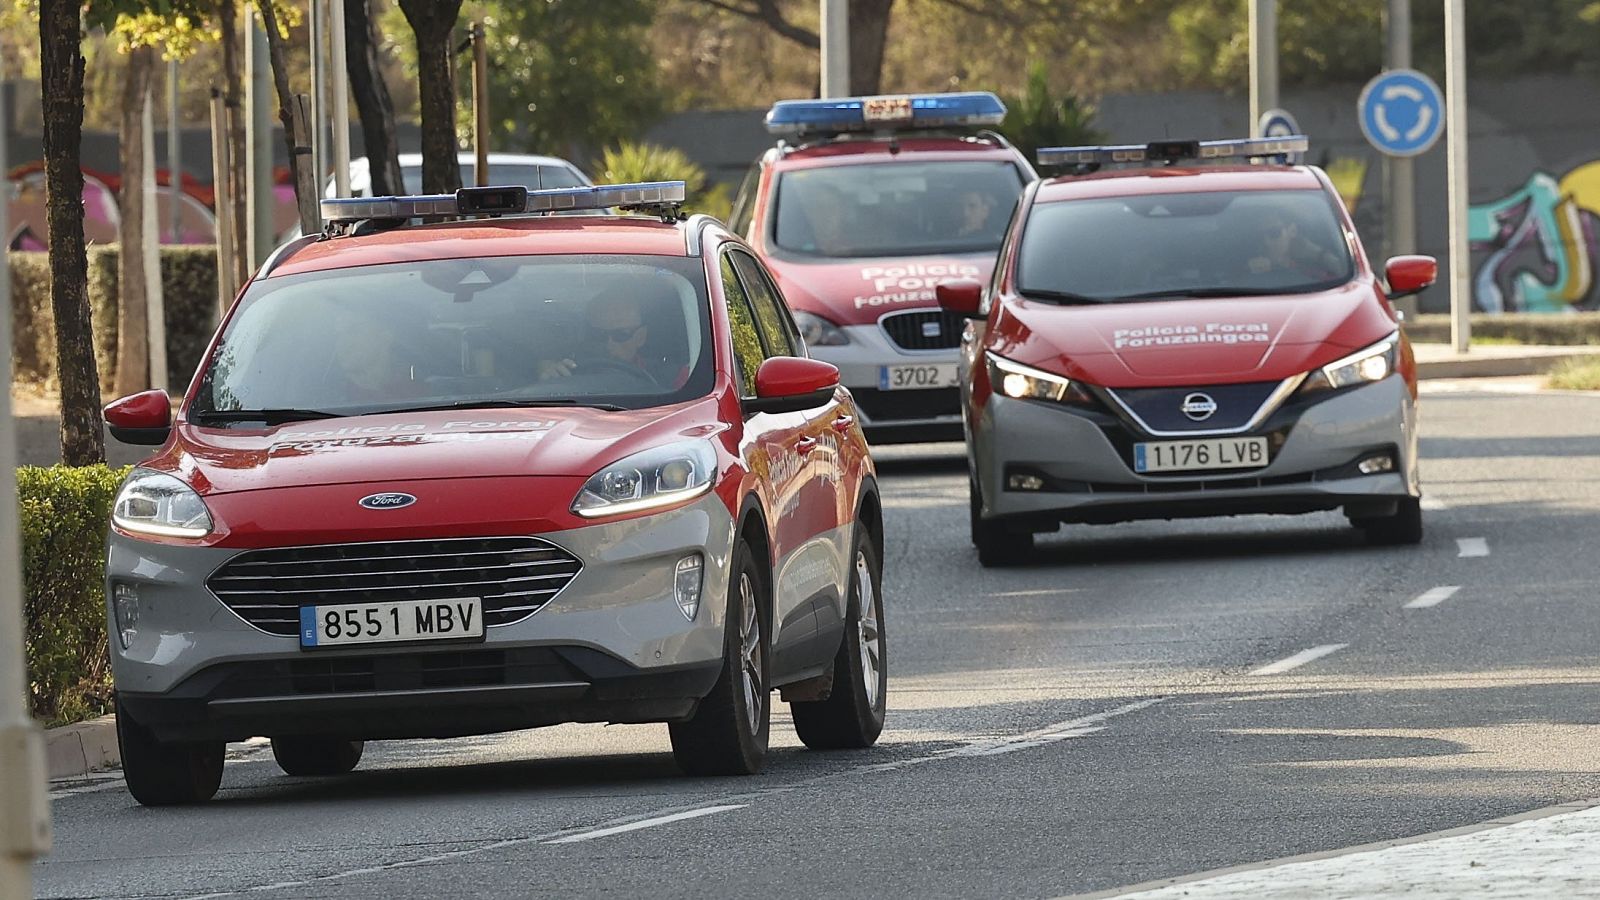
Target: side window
{"type": "Point", "coordinates": [747, 352]}
{"type": "Point", "coordinates": [778, 331]}
{"type": "Point", "coordinates": [744, 202]}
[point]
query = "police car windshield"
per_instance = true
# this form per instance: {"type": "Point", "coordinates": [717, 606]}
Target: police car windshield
{"type": "Point", "coordinates": [603, 331]}
{"type": "Point", "coordinates": [1171, 246]}
{"type": "Point", "coordinates": [902, 208]}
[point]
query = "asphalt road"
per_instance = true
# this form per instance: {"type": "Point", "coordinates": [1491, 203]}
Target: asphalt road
{"type": "Point", "coordinates": [1086, 722]}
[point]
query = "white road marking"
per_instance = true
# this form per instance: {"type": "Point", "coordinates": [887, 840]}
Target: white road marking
{"type": "Point", "coordinates": [644, 823]}
{"type": "Point", "coordinates": [1299, 659]}
{"type": "Point", "coordinates": [1434, 505]}
{"type": "Point", "coordinates": [1471, 547]}
{"type": "Point", "coordinates": [1433, 596]}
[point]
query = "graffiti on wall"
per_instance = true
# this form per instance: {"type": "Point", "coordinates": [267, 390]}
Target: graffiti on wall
{"type": "Point", "coordinates": [1542, 243]}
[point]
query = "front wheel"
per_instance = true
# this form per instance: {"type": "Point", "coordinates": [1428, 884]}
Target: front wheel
{"type": "Point", "coordinates": [1401, 528]}
{"type": "Point", "coordinates": [727, 735]}
{"type": "Point", "coordinates": [166, 774]}
{"type": "Point", "coordinates": [316, 756]}
{"type": "Point", "coordinates": [852, 715]}
{"type": "Point", "coordinates": [996, 545]}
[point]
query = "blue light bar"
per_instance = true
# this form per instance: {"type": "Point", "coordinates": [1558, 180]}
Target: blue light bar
{"type": "Point", "coordinates": [654, 196]}
{"type": "Point", "coordinates": [1173, 151]}
{"type": "Point", "coordinates": [885, 113]}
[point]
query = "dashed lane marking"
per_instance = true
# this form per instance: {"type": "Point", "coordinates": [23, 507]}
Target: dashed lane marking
{"type": "Point", "coordinates": [644, 823]}
{"type": "Point", "coordinates": [1472, 547]}
{"type": "Point", "coordinates": [1299, 659]}
{"type": "Point", "coordinates": [1433, 596]}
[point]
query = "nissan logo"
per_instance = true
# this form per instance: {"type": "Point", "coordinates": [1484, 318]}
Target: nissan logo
{"type": "Point", "coordinates": [1199, 407]}
{"type": "Point", "coordinates": [387, 501]}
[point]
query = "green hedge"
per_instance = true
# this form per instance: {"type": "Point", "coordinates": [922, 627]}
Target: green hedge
{"type": "Point", "coordinates": [189, 294]}
{"type": "Point", "coordinates": [65, 515]}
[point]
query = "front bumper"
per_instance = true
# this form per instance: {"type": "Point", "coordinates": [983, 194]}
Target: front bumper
{"type": "Point", "coordinates": [1082, 460]}
{"type": "Point", "coordinates": [894, 416]}
{"type": "Point", "coordinates": [612, 646]}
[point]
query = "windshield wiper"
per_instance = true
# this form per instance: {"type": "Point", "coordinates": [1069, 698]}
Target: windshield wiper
{"type": "Point", "coordinates": [500, 404]}
{"type": "Point", "coordinates": [1206, 292]}
{"type": "Point", "coordinates": [278, 416]}
{"type": "Point", "coordinates": [1063, 297]}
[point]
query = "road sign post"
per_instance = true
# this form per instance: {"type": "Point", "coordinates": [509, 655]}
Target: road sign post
{"type": "Point", "coordinates": [1263, 59]}
{"type": "Point", "coordinates": [1400, 210]}
{"type": "Point", "coordinates": [835, 33]}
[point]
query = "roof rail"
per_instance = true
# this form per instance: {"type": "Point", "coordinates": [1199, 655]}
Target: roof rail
{"type": "Point", "coordinates": [285, 250]}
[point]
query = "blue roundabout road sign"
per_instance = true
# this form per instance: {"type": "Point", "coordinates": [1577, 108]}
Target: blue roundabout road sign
{"type": "Point", "coordinates": [1401, 112]}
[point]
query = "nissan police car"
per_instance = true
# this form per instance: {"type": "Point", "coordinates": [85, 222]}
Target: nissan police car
{"type": "Point", "coordinates": [865, 205]}
{"type": "Point", "coordinates": [447, 479]}
{"type": "Point", "coordinates": [1187, 329]}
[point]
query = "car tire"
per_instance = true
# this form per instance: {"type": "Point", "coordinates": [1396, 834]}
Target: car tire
{"type": "Point", "coordinates": [1402, 528]}
{"type": "Point", "coordinates": [311, 756]}
{"type": "Point", "coordinates": [852, 715]}
{"type": "Point", "coordinates": [728, 733]}
{"type": "Point", "coordinates": [997, 545]}
{"type": "Point", "coordinates": [166, 774]}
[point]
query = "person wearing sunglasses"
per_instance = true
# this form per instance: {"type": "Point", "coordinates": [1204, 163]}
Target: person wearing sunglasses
{"type": "Point", "coordinates": [617, 335]}
{"type": "Point", "coordinates": [1282, 250]}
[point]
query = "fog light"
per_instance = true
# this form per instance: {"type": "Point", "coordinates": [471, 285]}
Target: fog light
{"type": "Point", "coordinates": [1025, 483]}
{"type": "Point", "coordinates": [1372, 465]}
{"type": "Point", "coordinates": [686, 580]}
{"type": "Point", "coordinates": [125, 605]}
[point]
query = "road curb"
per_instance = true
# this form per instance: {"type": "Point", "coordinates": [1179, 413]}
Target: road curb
{"type": "Point", "coordinates": [81, 748]}
{"type": "Point", "coordinates": [1499, 366]}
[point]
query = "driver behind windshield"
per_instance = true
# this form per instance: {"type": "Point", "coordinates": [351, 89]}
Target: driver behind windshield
{"type": "Point", "coordinates": [1283, 249]}
{"type": "Point", "coordinates": [618, 337]}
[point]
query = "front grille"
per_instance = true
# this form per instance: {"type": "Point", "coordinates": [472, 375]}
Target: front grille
{"type": "Point", "coordinates": [924, 329]}
{"type": "Point", "coordinates": [1162, 408]}
{"type": "Point", "coordinates": [514, 576]}
{"type": "Point", "coordinates": [884, 407]}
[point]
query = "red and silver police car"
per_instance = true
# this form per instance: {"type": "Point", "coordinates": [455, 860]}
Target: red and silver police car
{"type": "Point", "coordinates": [861, 210]}
{"type": "Point", "coordinates": [1187, 329]}
{"type": "Point", "coordinates": [446, 479]}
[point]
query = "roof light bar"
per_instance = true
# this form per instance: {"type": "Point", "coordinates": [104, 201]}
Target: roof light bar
{"type": "Point", "coordinates": [661, 197]}
{"type": "Point", "coordinates": [1173, 151]}
{"type": "Point", "coordinates": [902, 112]}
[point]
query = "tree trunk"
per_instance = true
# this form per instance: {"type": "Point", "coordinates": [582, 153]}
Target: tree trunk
{"type": "Point", "coordinates": [83, 439]}
{"type": "Point", "coordinates": [373, 104]}
{"type": "Point", "coordinates": [133, 345]}
{"type": "Point", "coordinates": [280, 83]}
{"type": "Point", "coordinates": [869, 33]}
{"type": "Point", "coordinates": [239, 155]}
{"type": "Point", "coordinates": [432, 21]}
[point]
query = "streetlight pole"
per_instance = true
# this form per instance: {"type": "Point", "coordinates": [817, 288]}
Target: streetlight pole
{"type": "Point", "coordinates": [1263, 61]}
{"type": "Point", "coordinates": [1401, 226]}
{"type": "Point", "coordinates": [24, 808]}
{"type": "Point", "coordinates": [835, 32]}
{"type": "Point", "coordinates": [1455, 117]}
{"type": "Point", "coordinates": [339, 84]}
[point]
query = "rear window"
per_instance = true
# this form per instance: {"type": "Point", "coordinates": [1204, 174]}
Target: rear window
{"type": "Point", "coordinates": [895, 209]}
{"type": "Point", "coordinates": [1203, 244]}
{"type": "Point", "coordinates": [533, 177]}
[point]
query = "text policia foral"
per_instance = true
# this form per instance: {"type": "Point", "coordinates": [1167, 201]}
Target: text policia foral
{"type": "Point", "coordinates": [1184, 335]}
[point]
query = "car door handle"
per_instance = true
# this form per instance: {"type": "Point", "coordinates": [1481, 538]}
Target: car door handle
{"type": "Point", "coordinates": [843, 423]}
{"type": "Point", "coordinates": [805, 445]}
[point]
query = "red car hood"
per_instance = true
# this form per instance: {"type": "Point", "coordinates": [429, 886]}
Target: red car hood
{"type": "Point", "coordinates": [858, 291]}
{"type": "Point", "coordinates": [1182, 342]}
{"type": "Point", "coordinates": [400, 447]}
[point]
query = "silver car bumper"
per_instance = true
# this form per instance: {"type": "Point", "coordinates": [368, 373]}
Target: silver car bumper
{"type": "Point", "coordinates": [894, 416]}
{"type": "Point", "coordinates": [1087, 478]}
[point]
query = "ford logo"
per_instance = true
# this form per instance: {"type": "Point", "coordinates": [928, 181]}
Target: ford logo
{"type": "Point", "coordinates": [1199, 407]}
{"type": "Point", "coordinates": [387, 501]}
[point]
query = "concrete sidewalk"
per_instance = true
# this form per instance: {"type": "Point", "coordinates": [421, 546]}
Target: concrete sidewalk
{"type": "Point", "coordinates": [1544, 853]}
{"type": "Point", "coordinates": [1495, 360]}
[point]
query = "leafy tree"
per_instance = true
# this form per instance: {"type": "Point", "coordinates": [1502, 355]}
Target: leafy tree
{"type": "Point", "coordinates": [1040, 118]}
{"type": "Point", "coordinates": [868, 28]}
{"type": "Point", "coordinates": [373, 103]}
{"type": "Point", "coordinates": [634, 162]}
{"type": "Point", "coordinates": [568, 76]}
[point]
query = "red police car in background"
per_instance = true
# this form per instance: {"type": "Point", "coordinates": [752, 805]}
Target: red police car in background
{"type": "Point", "coordinates": [447, 479]}
{"type": "Point", "coordinates": [1187, 337]}
{"type": "Point", "coordinates": [866, 205]}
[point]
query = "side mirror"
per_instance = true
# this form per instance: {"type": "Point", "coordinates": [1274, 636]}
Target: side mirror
{"type": "Point", "coordinates": [1408, 275]}
{"type": "Point", "coordinates": [142, 418]}
{"type": "Point", "coordinates": [962, 296]}
{"type": "Point", "coordinates": [792, 383]}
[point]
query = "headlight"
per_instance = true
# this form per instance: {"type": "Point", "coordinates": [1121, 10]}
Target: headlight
{"type": "Point", "coordinates": [1022, 382]}
{"type": "Point", "coordinates": [157, 503]}
{"type": "Point", "coordinates": [654, 478]}
{"type": "Point", "coordinates": [819, 332]}
{"type": "Point", "coordinates": [1375, 363]}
